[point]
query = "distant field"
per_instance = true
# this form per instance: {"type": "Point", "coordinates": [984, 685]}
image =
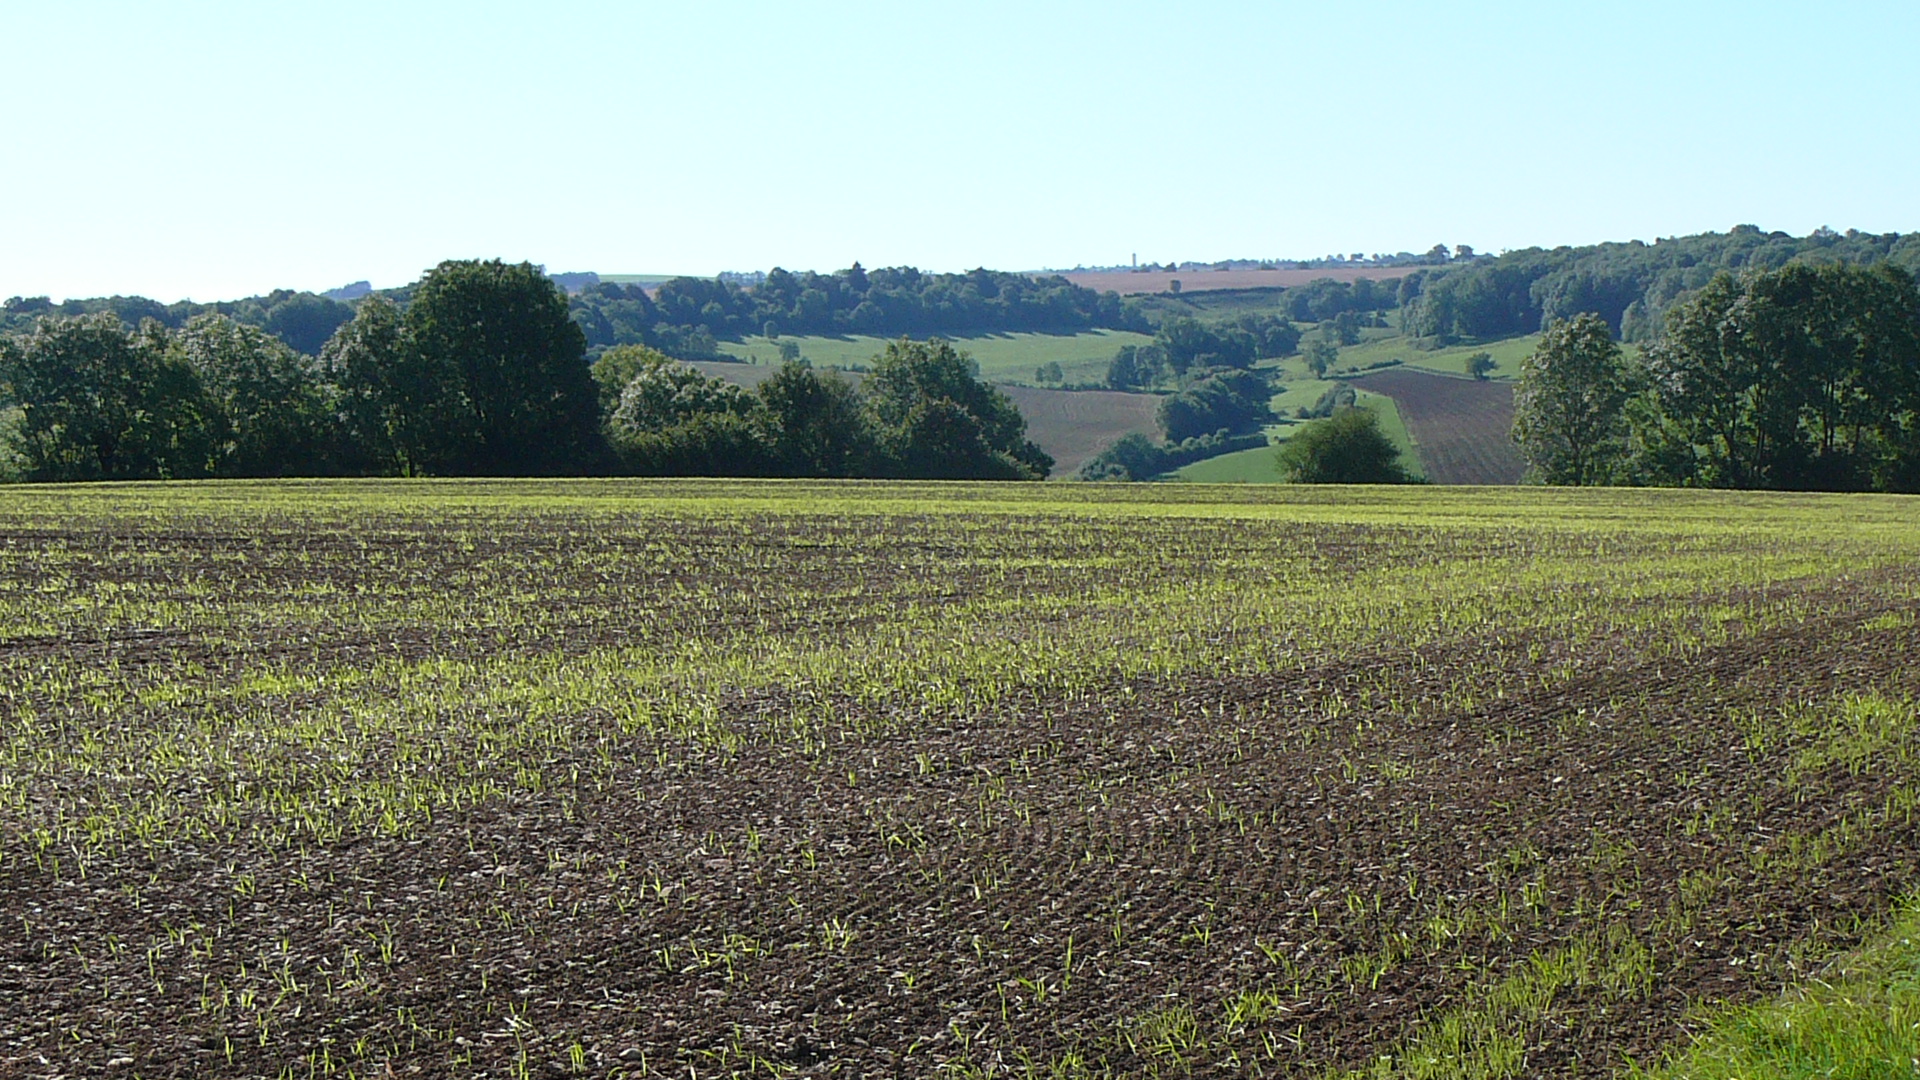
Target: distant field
{"type": "Point", "coordinates": [1461, 425]}
{"type": "Point", "coordinates": [1004, 358]}
{"type": "Point", "coordinates": [1458, 426]}
{"type": "Point", "coordinates": [1127, 282]}
{"type": "Point", "coordinates": [646, 281]}
{"type": "Point", "coordinates": [747, 375]}
{"type": "Point", "coordinates": [1301, 392]}
{"type": "Point", "coordinates": [1074, 425]}
{"type": "Point", "coordinates": [1452, 360]}
{"type": "Point", "coordinates": [1071, 425]}
{"type": "Point", "coordinates": [1255, 466]}
{"type": "Point", "coordinates": [1395, 428]}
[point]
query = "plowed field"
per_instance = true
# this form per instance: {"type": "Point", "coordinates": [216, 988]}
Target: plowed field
{"type": "Point", "coordinates": [1461, 426]}
{"type": "Point", "coordinates": [703, 779]}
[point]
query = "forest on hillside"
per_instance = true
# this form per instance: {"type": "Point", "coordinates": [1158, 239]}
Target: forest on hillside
{"type": "Point", "coordinates": [1631, 285]}
{"type": "Point", "coordinates": [1450, 297]}
{"type": "Point", "coordinates": [686, 316]}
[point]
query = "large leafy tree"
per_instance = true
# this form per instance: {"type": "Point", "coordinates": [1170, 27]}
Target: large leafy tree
{"type": "Point", "coordinates": [101, 402]}
{"type": "Point", "coordinates": [268, 411]}
{"type": "Point", "coordinates": [519, 395]}
{"type": "Point", "coordinates": [398, 411]}
{"type": "Point", "coordinates": [1345, 448]}
{"type": "Point", "coordinates": [816, 423]}
{"type": "Point", "coordinates": [935, 420]}
{"type": "Point", "coordinates": [1569, 406]}
{"type": "Point", "coordinates": [1803, 377]}
{"type": "Point", "coordinates": [674, 421]}
{"type": "Point", "coordinates": [1236, 401]}
{"type": "Point", "coordinates": [304, 321]}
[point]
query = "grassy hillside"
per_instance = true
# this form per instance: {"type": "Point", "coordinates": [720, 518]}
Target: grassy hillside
{"type": "Point", "coordinates": [1451, 360]}
{"type": "Point", "coordinates": [646, 280]}
{"type": "Point", "coordinates": [1004, 358]}
{"type": "Point", "coordinates": [1073, 427]}
{"type": "Point", "coordinates": [1255, 466]}
{"type": "Point", "coordinates": [1130, 282]}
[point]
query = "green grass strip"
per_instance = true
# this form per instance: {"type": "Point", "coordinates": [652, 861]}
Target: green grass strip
{"type": "Point", "coordinates": [1860, 1020]}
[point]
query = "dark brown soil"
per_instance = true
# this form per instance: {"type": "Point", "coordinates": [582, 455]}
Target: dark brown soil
{"type": "Point", "coordinates": [1460, 426]}
{"type": "Point", "coordinates": [1035, 877]}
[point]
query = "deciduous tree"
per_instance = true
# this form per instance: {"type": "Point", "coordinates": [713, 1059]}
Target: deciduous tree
{"type": "Point", "coordinates": [101, 402]}
{"type": "Point", "coordinates": [1569, 405]}
{"type": "Point", "coordinates": [525, 402]}
{"type": "Point", "coordinates": [1346, 448]}
{"type": "Point", "coordinates": [933, 419]}
{"type": "Point", "coordinates": [268, 412]}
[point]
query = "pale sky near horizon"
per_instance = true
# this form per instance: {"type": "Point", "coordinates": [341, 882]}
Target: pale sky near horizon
{"type": "Point", "coordinates": [217, 150]}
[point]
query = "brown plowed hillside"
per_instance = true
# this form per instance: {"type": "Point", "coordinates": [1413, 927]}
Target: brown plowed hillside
{"type": "Point", "coordinates": [1460, 426]}
{"type": "Point", "coordinates": [1128, 282]}
{"type": "Point", "coordinates": [1074, 425]}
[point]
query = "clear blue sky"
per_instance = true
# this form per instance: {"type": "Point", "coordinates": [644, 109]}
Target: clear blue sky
{"type": "Point", "coordinates": [218, 150]}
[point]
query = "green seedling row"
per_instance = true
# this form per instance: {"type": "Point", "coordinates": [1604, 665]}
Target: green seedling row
{"type": "Point", "coordinates": [671, 778]}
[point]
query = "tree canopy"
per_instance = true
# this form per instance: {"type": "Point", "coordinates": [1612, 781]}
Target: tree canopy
{"type": "Point", "coordinates": [933, 419]}
{"type": "Point", "coordinates": [1568, 406]}
{"type": "Point", "coordinates": [687, 316]}
{"type": "Point", "coordinates": [1803, 377]}
{"type": "Point", "coordinates": [1346, 448]}
{"type": "Point", "coordinates": [511, 365]}
{"type": "Point", "coordinates": [1630, 285]}
{"type": "Point", "coordinates": [101, 402]}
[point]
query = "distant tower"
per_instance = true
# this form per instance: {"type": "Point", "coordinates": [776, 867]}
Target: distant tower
{"type": "Point", "coordinates": [1136, 260]}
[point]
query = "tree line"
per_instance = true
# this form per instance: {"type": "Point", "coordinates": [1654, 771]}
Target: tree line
{"type": "Point", "coordinates": [1805, 377]}
{"type": "Point", "coordinates": [1183, 347]}
{"type": "Point", "coordinates": [301, 320]}
{"type": "Point", "coordinates": [483, 370]}
{"type": "Point", "coordinates": [687, 317]}
{"type": "Point", "coordinates": [1630, 285]}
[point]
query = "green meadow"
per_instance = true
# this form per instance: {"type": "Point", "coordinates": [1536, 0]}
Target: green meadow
{"type": "Point", "coordinates": [1009, 358]}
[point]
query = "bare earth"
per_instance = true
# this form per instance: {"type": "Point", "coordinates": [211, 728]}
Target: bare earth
{"type": "Point", "coordinates": [1074, 425]}
{"type": "Point", "coordinates": [1459, 425]}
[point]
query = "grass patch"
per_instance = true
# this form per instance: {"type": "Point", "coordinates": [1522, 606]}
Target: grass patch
{"type": "Point", "coordinates": [1451, 360]}
{"type": "Point", "coordinates": [1003, 358]}
{"type": "Point", "coordinates": [1255, 466]}
{"type": "Point", "coordinates": [1859, 1020]}
{"type": "Point", "coordinates": [1300, 391]}
{"type": "Point", "coordinates": [1394, 428]}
